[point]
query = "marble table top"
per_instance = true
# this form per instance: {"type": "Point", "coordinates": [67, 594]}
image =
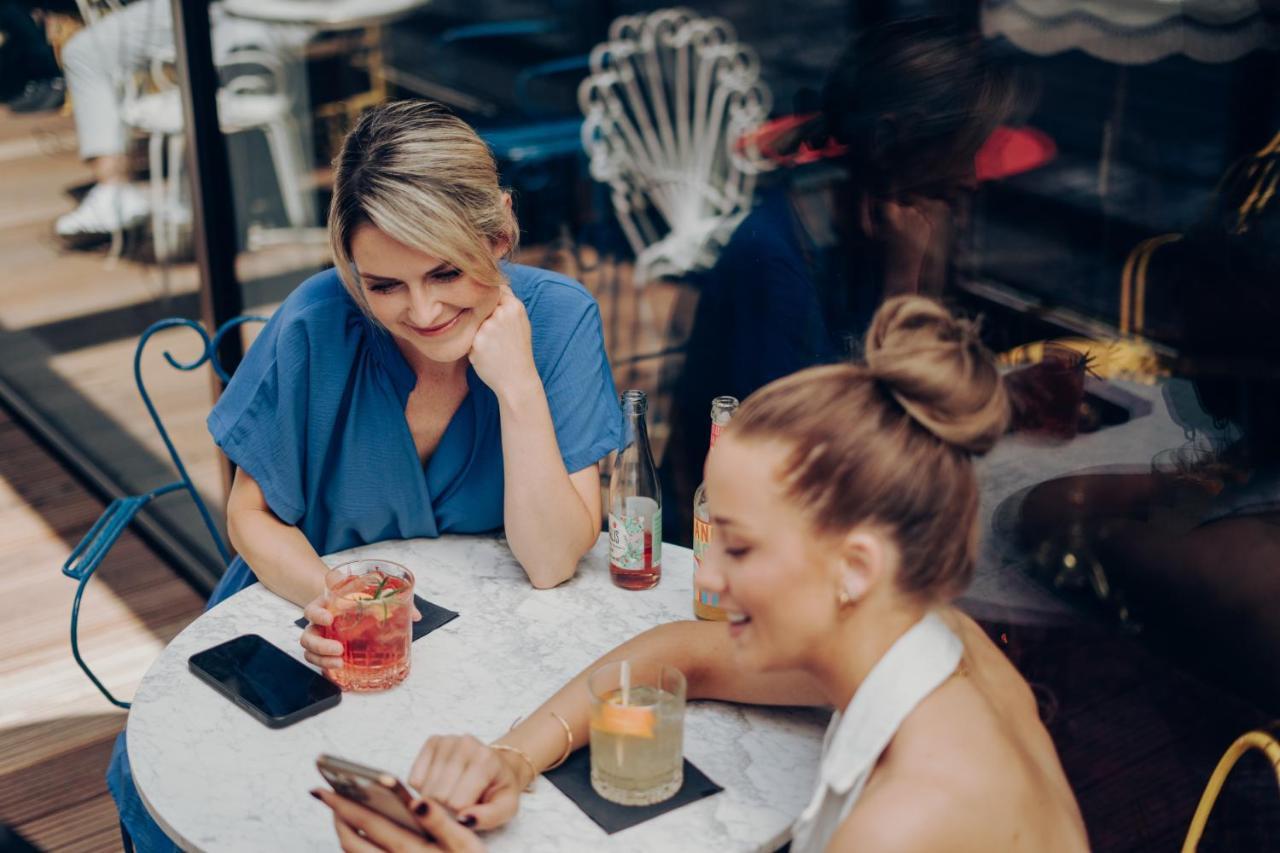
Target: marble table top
{"type": "Point", "coordinates": [216, 779]}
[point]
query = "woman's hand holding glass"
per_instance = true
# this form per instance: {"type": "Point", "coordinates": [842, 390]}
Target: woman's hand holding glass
{"type": "Point", "coordinates": [319, 651]}
{"type": "Point", "coordinates": [482, 785]}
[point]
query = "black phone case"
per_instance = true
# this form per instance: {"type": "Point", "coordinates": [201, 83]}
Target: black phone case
{"type": "Point", "coordinates": [274, 722]}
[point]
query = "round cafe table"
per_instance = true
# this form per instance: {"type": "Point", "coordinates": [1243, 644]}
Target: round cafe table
{"type": "Point", "coordinates": [215, 778]}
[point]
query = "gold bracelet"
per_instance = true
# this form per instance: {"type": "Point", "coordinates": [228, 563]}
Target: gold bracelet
{"type": "Point", "coordinates": [568, 746]}
{"type": "Point", "coordinates": [506, 747]}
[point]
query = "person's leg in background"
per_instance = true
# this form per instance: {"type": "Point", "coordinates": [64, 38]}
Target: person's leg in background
{"type": "Point", "coordinates": [36, 83]}
{"type": "Point", "coordinates": [96, 61]}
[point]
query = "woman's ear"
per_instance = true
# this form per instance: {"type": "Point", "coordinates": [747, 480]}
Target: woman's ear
{"type": "Point", "coordinates": [502, 246]}
{"type": "Point", "coordinates": [862, 565]}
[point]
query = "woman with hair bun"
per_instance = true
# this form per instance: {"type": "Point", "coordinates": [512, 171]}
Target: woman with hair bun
{"type": "Point", "coordinates": [846, 511]}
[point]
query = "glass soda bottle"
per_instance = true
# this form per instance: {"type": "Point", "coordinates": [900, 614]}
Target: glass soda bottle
{"type": "Point", "coordinates": [635, 503]}
{"type": "Point", "coordinates": [706, 604]}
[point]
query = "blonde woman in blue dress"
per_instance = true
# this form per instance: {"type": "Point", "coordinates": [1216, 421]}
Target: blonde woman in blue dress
{"type": "Point", "coordinates": [846, 511]}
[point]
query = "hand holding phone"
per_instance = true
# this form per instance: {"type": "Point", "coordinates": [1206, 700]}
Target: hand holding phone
{"type": "Point", "coordinates": [371, 788]}
{"type": "Point", "coordinates": [361, 828]}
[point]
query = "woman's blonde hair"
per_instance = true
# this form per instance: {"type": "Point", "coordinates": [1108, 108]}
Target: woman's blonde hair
{"type": "Point", "coordinates": [890, 442]}
{"type": "Point", "coordinates": [424, 178]}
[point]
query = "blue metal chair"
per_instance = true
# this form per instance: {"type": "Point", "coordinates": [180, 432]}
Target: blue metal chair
{"type": "Point", "coordinates": [93, 548]}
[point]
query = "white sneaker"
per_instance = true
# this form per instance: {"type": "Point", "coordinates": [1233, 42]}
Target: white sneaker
{"type": "Point", "coordinates": [106, 209]}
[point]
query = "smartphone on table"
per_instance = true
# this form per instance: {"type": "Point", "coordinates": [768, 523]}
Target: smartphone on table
{"type": "Point", "coordinates": [371, 788]}
{"type": "Point", "coordinates": [264, 680]}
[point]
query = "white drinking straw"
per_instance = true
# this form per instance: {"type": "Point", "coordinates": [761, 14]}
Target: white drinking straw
{"type": "Point", "coordinates": [625, 676]}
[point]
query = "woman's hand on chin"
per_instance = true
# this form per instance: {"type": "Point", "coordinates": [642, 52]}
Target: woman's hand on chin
{"type": "Point", "coordinates": [361, 830]}
{"type": "Point", "coordinates": [476, 781]}
{"type": "Point", "coordinates": [502, 350]}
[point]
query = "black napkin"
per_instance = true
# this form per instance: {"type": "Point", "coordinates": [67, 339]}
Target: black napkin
{"type": "Point", "coordinates": [573, 778]}
{"type": "Point", "coordinates": [432, 618]}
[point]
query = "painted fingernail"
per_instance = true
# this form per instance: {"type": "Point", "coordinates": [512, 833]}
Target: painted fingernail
{"type": "Point", "coordinates": [468, 821]}
{"type": "Point", "coordinates": [316, 794]}
{"type": "Point", "coordinates": [421, 809]}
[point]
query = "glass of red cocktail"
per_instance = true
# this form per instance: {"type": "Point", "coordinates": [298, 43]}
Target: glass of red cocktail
{"type": "Point", "coordinates": [372, 606]}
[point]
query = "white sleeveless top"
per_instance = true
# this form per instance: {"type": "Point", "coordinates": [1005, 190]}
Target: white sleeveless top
{"type": "Point", "coordinates": [914, 667]}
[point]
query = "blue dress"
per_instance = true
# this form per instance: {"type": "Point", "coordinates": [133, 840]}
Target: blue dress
{"type": "Point", "coordinates": [315, 414]}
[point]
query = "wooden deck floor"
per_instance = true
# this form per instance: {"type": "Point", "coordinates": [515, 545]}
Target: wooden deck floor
{"type": "Point", "coordinates": [56, 731]}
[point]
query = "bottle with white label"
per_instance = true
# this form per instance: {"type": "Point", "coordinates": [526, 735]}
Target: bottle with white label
{"type": "Point", "coordinates": [706, 605]}
{"type": "Point", "coordinates": [635, 503]}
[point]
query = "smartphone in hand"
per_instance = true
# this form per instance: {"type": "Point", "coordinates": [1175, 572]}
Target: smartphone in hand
{"type": "Point", "coordinates": [371, 788]}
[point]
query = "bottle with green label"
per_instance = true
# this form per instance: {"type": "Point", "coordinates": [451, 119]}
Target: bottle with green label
{"type": "Point", "coordinates": [635, 503]}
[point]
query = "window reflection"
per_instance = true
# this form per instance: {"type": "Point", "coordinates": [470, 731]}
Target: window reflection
{"type": "Point", "coordinates": [1097, 181]}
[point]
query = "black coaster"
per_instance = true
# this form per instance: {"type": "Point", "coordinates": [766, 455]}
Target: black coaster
{"type": "Point", "coordinates": [573, 778]}
{"type": "Point", "coordinates": [432, 618]}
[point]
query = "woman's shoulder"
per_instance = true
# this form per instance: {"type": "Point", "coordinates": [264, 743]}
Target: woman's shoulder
{"type": "Point", "coordinates": [320, 298]}
{"type": "Point", "coordinates": [978, 745]}
{"type": "Point", "coordinates": [318, 319]}
{"type": "Point", "coordinates": [957, 777]}
{"type": "Point", "coordinates": [556, 304]}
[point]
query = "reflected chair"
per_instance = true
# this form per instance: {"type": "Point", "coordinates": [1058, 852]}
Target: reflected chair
{"type": "Point", "coordinates": [88, 555]}
{"type": "Point", "coordinates": [669, 97]}
{"type": "Point", "coordinates": [671, 109]}
{"type": "Point", "coordinates": [255, 95]}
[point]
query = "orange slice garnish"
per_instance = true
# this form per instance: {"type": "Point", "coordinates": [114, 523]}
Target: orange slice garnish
{"type": "Point", "coordinates": [618, 719]}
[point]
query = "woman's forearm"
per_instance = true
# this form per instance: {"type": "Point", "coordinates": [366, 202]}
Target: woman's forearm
{"type": "Point", "coordinates": [702, 651]}
{"type": "Point", "coordinates": [541, 736]}
{"type": "Point", "coordinates": [548, 525]}
{"type": "Point", "coordinates": [278, 553]}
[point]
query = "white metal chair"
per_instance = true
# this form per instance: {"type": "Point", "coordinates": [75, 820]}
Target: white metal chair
{"type": "Point", "coordinates": [669, 98]}
{"type": "Point", "coordinates": [256, 97]}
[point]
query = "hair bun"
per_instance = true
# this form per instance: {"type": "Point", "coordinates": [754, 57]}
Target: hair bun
{"type": "Point", "coordinates": [937, 369]}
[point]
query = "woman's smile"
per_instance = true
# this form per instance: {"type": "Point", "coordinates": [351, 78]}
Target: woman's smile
{"type": "Point", "coordinates": [439, 328]}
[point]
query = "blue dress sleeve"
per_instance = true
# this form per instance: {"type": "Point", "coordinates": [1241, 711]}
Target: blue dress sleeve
{"type": "Point", "coordinates": [288, 390]}
{"type": "Point", "coordinates": [260, 419]}
{"type": "Point", "coordinates": [568, 344]}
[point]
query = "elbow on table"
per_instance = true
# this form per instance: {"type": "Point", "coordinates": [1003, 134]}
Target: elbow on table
{"type": "Point", "coordinates": [548, 567]}
{"type": "Point", "coordinates": [549, 574]}
{"type": "Point", "coordinates": [235, 528]}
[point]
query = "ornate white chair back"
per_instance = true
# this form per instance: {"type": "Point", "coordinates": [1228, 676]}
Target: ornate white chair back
{"type": "Point", "coordinates": [669, 98]}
